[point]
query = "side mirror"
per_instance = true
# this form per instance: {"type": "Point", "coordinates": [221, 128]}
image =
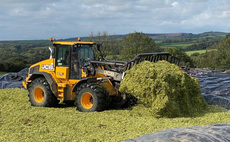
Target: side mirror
{"type": "Point", "coordinates": [99, 47]}
{"type": "Point", "coordinates": [51, 52]}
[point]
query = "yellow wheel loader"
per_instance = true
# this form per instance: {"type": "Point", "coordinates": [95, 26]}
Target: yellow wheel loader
{"type": "Point", "coordinates": [72, 75]}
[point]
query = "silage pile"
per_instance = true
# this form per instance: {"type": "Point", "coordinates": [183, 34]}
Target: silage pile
{"type": "Point", "coordinates": [164, 88]}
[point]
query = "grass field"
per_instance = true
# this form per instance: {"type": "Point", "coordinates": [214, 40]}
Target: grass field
{"type": "Point", "coordinates": [1, 73]}
{"type": "Point", "coordinates": [177, 45]}
{"type": "Point", "coordinates": [21, 122]}
{"type": "Point", "coordinates": [197, 51]}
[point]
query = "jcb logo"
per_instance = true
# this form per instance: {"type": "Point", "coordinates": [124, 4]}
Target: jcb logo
{"type": "Point", "coordinates": [109, 73]}
{"type": "Point", "coordinates": [47, 67]}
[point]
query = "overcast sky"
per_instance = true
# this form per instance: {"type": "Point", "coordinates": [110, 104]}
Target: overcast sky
{"type": "Point", "coordinates": [41, 19]}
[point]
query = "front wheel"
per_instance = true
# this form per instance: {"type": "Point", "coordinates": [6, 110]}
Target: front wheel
{"type": "Point", "coordinates": [40, 94]}
{"type": "Point", "coordinates": [91, 97]}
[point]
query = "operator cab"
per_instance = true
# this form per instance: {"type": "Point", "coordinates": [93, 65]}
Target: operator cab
{"type": "Point", "coordinates": [74, 55]}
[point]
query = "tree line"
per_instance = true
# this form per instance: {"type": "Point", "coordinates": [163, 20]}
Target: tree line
{"type": "Point", "coordinates": [17, 55]}
{"type": "Point", "coordinates": [219, 58]}
{"type": "Point", "coordinates": [128, 47]}
{"type": "Point", "coordinates": [134, 43]}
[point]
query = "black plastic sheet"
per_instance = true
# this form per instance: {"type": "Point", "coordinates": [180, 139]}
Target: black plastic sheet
{"type": "Point", "coordinates": [13, 80]}
{"type": "Point", "coordinates": [215, 87]}
{"type": "Point", "coordinates": [211, 133]}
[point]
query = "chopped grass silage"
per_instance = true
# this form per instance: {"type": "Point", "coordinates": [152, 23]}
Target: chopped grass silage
{"type": "Point", "coordinates": [21, 122]}
{"type": "Point", "coordinates": [164, 88]}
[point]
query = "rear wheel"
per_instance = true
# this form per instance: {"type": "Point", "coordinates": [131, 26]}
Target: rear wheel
{"type": "Point", "coordinates": [40, 94]}
{"type": "Point", "coordinates": [91, 97]}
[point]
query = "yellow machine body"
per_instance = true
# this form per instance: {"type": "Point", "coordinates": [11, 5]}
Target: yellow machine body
{"type": "Point", "coordinates": [58, 76]}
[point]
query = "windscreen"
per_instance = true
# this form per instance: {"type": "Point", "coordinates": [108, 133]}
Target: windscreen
{"type": "Point", "coordinates": [85, 54]}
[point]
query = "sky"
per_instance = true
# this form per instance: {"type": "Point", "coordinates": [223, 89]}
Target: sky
{"type": "Point", "coordinates": [41, 19]}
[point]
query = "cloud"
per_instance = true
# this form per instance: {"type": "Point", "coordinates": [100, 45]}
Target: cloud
{"type": "Point", "coordinates": [67, 18]}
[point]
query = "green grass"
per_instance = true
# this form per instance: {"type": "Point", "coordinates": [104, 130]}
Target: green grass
{"type": "Point", "coordinates": [196, 51]}
{"type": "Point", "coordinates": [158, 41]}
{"type": "Point", "coordinates": [21, 122]}
{"type": "Point", "coordinates": [1, 73]}
{"type": "Point", "coordinates": [177, 45]}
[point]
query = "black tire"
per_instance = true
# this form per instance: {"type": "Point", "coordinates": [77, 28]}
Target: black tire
{"type": "Point", "coordinates": [40, 94]}
{"type": "Point", "coordinates": [91, 97]}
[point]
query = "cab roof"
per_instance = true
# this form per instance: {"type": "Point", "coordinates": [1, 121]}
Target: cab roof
{"type": "Point", "coordinates": [71, 42]}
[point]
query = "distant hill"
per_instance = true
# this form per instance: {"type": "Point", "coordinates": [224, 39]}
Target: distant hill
{"type": "Point", "coordinates": [187, 35]}
{"type": "Point", "coordinates": [163, 36]}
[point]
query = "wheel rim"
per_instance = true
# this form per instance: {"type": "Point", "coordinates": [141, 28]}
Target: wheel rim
{"type": "Point", "coordinates": [38, 95]}
{"type": "Point", "coordinates": [87, 100]}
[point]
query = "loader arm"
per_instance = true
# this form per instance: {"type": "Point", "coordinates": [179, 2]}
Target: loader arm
{"type": "Point", "coordinates": [116, 69]}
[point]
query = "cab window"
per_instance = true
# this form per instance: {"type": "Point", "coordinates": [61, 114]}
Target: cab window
{"type": "Point", "coordinates": [63, 55]}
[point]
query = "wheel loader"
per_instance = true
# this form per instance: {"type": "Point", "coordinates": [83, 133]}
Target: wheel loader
{"type": "Point", "coordinates": [72, 75]}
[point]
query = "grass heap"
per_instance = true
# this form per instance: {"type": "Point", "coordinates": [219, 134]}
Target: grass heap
{"type": "Point", "coordinates": [164, 88]}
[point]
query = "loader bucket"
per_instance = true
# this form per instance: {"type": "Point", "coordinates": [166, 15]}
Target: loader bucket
{"type": "Point", "coordinates": [152, 57]}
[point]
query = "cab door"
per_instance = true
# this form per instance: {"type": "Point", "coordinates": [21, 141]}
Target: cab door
{"type": "Point", "coordinates": [75, 69]}
{"type": "Point", "coordinates": [62, 61]}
